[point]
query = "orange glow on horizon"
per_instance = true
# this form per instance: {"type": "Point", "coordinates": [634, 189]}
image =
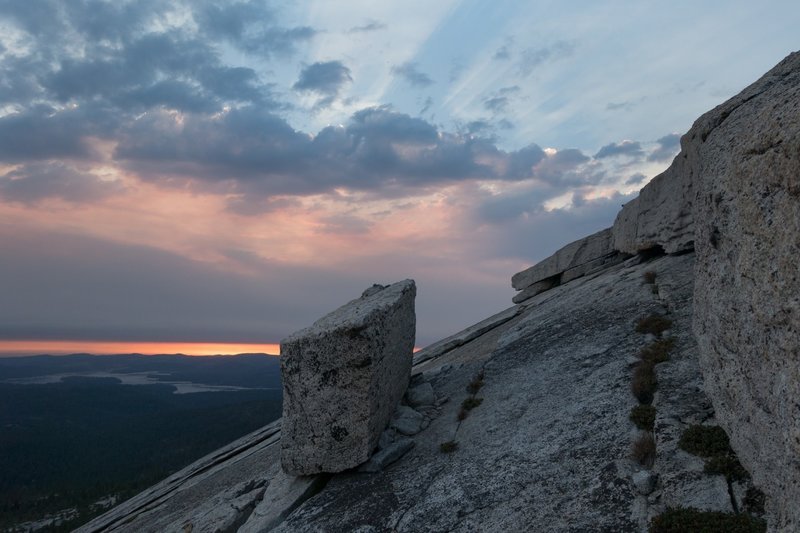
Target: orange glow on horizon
{"type": "Point", "coordinates": [32, 347]}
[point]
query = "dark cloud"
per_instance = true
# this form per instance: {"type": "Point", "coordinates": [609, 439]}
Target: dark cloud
{"type": "Point", "coordinates": [371, 25]}
{"type": "Point", "coordinates": [426, 105]}
{"type": "Point", "coordinates": [496, 104]}
{"type": "Point", "coordinates": [624, 148]}
{"type": "Point", "coordinates": [324, 78]}
{"type": "Point", "coordinates": [532, 58]}
{"type": "Point", "coordinates": [35, 182]}
{"type": "Point", "coordinates": [668, 147]}
{"type": "Point", "coordinates": [252, 27]}
{"type": "Point", "coordinates": [411, 73]}
{"type": "Point", "coordinates": [627, 105]}
{"type": "Point", "coordinates": [503, 53]}
{"type": "Point", "coordinates": [41, 132]}
{"type": "Point", "coordinates": [125, 63]}
{"type": "Point", "coordinates": [635, 179]}
{"type": "Point", "coordinates": [252, 152]}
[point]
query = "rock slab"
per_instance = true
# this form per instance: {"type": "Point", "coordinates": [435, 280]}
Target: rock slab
{"type": "Point", "coordinates": [577, 257]}
{"type": "Point", "coordinates": [746, 212]}
{"type": "Point", "coordinates": [343, 377]}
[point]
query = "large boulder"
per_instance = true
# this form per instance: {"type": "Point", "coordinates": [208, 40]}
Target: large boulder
{"type": "Point", "coordinates": [343, 377]}
{"type": "Point", "coordinates": [746, 210]}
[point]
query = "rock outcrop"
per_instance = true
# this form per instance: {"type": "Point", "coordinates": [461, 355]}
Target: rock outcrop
{"type": "Point", "coordinates": [747, 285]}
{"type": "Point", "coordinates": [570, 262]}
{"type": "Point", "coordinates": [343, 377]}
{"type": "Point", "coordinates": [538, 434]}
{"type": "Point", "coordinates": [661, 216]}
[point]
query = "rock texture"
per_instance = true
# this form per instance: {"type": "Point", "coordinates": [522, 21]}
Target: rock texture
{"type": "Point", "coordinates": [747, 294]}
{"type": "Point", "coordinates": [570, 262]}
{"type": "Point", "coordinates": [343, 378]}
{"type": "Point", "coordinates": [661, 216]}
{"type": "Point", "coordinates": [548, 447]}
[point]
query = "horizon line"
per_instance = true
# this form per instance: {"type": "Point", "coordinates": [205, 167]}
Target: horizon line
{"type": "Point", "coordinates": [22, 348]}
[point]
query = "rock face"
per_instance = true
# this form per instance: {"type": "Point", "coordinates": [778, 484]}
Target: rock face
{"type": "Point", "coordinates": [343, 377]}
{"type": "Point", "coordinates": [747, 288]}
{"type": "Point", "coordinates": [661, 216]}
{"type": "Point", "coordinates": [570, 262]}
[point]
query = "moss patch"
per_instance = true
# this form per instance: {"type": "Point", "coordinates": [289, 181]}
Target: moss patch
{"type": "Point", "coordinates": [644, 416]}
{"type": "Point", "coordinates": [644, 384]}
{"type": "Point", "coordinates": [448, 447]}
{"type": "Point", "coordinates": [705, 441]}
{"type": "Point", "coordinates": [655, 324]}
{"type": "Point", "coordinates": [471, 403]}
{"type": "Point", "coordinates": [475, 385]}
{"type": "Point", "coordinates": [658, 351]}
{"type": "Point", "coordinates": [691, 520]}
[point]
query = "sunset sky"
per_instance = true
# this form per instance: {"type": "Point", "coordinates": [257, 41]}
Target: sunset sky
{"type": "Point", "coordinates": [228, 172]}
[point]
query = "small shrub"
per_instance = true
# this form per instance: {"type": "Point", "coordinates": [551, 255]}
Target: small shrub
{"type": "Point", "coordinates": [754, 501]}
{"type": "Point", "coordinates": [448, 447]}
{"type": "Point", "coordinates": [643, 450]}
{"type": "Point", "coordinates": [649, 277]}
{"type": "Point", "coordinates": [644, 384]}
{"type": "Point", "coordinates": [475, 385]}
{"type": "Point", "coordinates": [658, 351]}
{"type": "Point", "coordinates": [655, 324]}
{"type": "Point", "coordinates": [644, 416]}
{"type": "Point", "coordinates": [683, 520]}
{"type": "Point", "coordinates": [471, 403]}
{"type": "Point", "coordinates": [462, 414]}
{"type": "Point", "coordinates": [727, 465]}
{"type": "Point", "coordinates": [705, 441]}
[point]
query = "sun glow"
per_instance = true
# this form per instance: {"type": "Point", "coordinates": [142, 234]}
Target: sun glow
{"type": "Point", "coordinates": [56, 347]}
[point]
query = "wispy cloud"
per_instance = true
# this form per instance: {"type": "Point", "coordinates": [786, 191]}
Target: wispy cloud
{"type": "Point", "coordinates": [410, 73]}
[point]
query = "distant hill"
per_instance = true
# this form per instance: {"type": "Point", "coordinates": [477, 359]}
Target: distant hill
{"type": "Point", "coordinates": [68, 444]}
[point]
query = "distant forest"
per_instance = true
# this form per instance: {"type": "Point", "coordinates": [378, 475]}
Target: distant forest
{"type": "Point", "coordinates": [69, 444]}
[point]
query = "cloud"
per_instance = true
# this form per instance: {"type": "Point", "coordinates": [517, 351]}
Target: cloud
{"type": "Point", "coordinates": [410, 72]}
{"type": "Point", "coordinates": [369, 26]}
{"type": "Point", "coordinates": [503, 53]}
{"type": "Point", "coordinates": [249, 151]}
{"type": "Point", "coordinates": [635, 179]}
{"type": "Point", "coordinates": [668, 147]}
{"type": "Point", "coordinates": [531, 58]}
{"type": "Point", "coordinates": [496, 104]}
{"type": "Point", "coordinates": [624, 148]}
{"type": "Point", "coordinates": [252, 27]}
{"type": "Point", "coordinates": [325, 78]}
{"type": "Point", "coordinates": [126, 63]}
{"type": "Point", "coordinates": [35, 182]}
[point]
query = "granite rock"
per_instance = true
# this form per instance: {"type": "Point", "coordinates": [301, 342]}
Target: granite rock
{"type": "Point", "coordinates": [574, 254]}
{"type": "Point", "coordinates": [747, 281]}
{"type": "Point", "coordinates": [421, 395]}
{"type": "Point", "coordinates": [388, 455]}
{"type": "Point", "coordinates": [407, 421]}
{"type": "Point", "coordinates": [343, 377]}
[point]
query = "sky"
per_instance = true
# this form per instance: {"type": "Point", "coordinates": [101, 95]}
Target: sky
{"type": "Point", "coordinates": [225, 173]}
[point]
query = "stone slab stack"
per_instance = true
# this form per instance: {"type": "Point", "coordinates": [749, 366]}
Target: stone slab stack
{"type": "Point", "coordinates": [573, 261]}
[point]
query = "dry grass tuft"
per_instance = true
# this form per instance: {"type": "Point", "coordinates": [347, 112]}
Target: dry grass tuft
{"type": "Point", "coordinates": [658, 351]}
{"type": "Point", "coordinates": [644, 416]}
{"type": "Point", "coordinates": [655, 324]}
{"type": "Point", "coordinates": [643, 450]}
{"type": "Point", "coordinates": [448, 447]}
{"type": "Point", "coordinates": [644, 384]}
